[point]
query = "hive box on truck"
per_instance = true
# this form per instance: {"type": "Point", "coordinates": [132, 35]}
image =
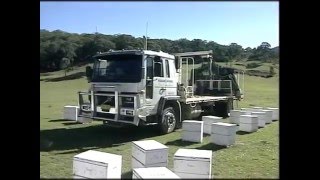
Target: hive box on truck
{"type": "Point", "coordinates": [97, 165]}
{"type": "Point", "coordinates": [149, 153]}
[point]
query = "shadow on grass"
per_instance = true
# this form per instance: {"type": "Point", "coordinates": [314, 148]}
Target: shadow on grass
{"type": "Point", "coordinates": [68, 77]}
{"type": "Point", "coordinates": [45, 74]}
{"type": "Point", "coordinates": [211, 146]}
{"type": "Point", "coordinates": [59, 120]}
{"type": "Point", "coordinates": [243, 132]}
{"type": "Point", "coordinates": [70, 123]}
{"type": "Point", "coordinates": [127, 175]}
{"type": "Point", "coordinates": [77, 151]}
{"type": "Point", "coordinates": [179, 142]}
{"type": "Point", "coordinates": [100, 136]}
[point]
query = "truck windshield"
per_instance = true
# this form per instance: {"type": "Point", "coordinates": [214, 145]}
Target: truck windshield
{"type": "Point", "coordinates": [118, 68]}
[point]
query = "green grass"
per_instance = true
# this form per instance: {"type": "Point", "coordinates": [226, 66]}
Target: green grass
{"type": "Point", "coordinates": [255, 155]}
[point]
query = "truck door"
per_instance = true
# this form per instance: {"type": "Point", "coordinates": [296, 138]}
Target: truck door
{"type": "Point", "coordinates": [171, 83]}
{"type": "Point", "coordinates": [155, 81]}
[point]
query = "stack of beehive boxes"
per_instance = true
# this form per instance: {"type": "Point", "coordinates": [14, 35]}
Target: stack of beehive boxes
{"type": "Point", "coordinates": [192, 131]}
{"type": "Point", "coordinates": [149, 153]}
{"type": "Point", "coordinates": [223, 134]}
{"type": "Point", "coordinates": [248, 123]}
{"type": "Point", "coordinates": [192, 163]}
{"type": "Point", "coordinates": [97, 165]}
{"type": "Point", "coordinates": [207, 121]}
{"type": "Point", "coordinates": [153, 173]}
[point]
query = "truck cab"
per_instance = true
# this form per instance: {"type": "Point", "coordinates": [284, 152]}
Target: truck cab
{"type": "Point", "coordinates": [126, 86]}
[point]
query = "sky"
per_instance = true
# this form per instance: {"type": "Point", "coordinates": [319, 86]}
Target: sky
{"type": "Point", "coordinates": [245, 23]}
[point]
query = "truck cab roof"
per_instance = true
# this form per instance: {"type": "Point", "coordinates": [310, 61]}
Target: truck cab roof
{"type": "Point", "coordinates": [137, 52]}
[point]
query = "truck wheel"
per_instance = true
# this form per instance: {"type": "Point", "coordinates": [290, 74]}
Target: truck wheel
{"type": "Point", "coordinates": [168, 120]}
{"type": "Point", "coordinates": [222, 109]}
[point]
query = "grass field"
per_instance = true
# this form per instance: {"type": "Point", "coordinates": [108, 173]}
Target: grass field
{"type": "Point", "coordinates": [254, 155]}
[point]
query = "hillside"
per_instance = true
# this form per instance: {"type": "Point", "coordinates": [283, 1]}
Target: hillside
{"type": "Point", "coordinates": [60, 50]}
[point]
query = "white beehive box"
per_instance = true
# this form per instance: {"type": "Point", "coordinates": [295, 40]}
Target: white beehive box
{"type": "Point", "coordinates": [222, 140]}
{"type": "Point", "coordinates": [136, 164]}
{"type": "Point", "coordinates": [223, 128]}
{"type": "Point", "coordinates": [153, 173]}
{"type": "Point", "coordinates": [192, 131]}
{"type": "Point", "coordinates": [261, 118]}
{"type": "Point", "coordinates": [275, 114]}
{"type": "Point", "coordinates": [149, 153]}
{"type": "Point", "coordinates": [207, 121]}
{"type": "Point", "coordinates": [245, 112]}
{"type": "Point", "coordinates": [97, 165]}
{"type": "Point", "coordinates": [223, 133]}
{"type": "Point", "coordinates": [192, 163]}
{"type": "Point", "coordinates": [192, 136]}
{"type": "Point", "coordinates": [248, 123]}
{"type": "Point", "coordinates": [192, 125]}
{"type": "Point", "coordinates": [78, 177]}
{"type": "Point", "coordinates": [234, 116]}
{"type": "Point", "coordinates": [235, 112]}
{"type": "Point", "coordinates": [268, 117]}
{"type": "Point", "coordinates": [70, 113]}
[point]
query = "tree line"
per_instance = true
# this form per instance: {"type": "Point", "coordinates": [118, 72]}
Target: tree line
{"type": "Point", "coordinates": [59, 49]}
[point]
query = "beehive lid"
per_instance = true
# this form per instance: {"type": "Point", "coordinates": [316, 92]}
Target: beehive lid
{"type": "Point", "coordinates": [192, 121]}
{"type": "Point", "coordinates": [272, 108]}
{"type": "Point", "coordinates": [224, 124]}
{"type": "Point", "coordinates": [257, 107]}
{"type": "Point", "coordinates": [98, 156]}
{"type": "Point", "coordinates": [194, 153]}
{"type": "Point", "coordinates": [247, 115]}
{"type": "Point", "coordinates": [149, 145]}
{"type": "Point", "coordinates": [155, 172]}
{"type": "Point", "coordinates": [235, 110]}
{"type": "Point", "coordinates": [258, 112]}
{"type": "Point", "coordinates": [211, 117]}
{"type": "Point", "coordinates": [267, 110]}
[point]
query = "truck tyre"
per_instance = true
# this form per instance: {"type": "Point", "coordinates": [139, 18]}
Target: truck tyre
{"type": "Point", "coordinates": [168, 120]}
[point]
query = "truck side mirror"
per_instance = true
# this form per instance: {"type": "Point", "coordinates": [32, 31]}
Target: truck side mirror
{"type": "Point", "coordinates": [177, 63]}
{"type": "Point", "coordinates": [89, 73]}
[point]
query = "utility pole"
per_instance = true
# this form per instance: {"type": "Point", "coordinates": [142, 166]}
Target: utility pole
{"type": "Point", "coordinates": [146, 45]}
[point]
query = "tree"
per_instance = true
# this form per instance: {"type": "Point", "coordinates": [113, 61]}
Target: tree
{"type": "Point", "coordinates": [79, 48]}
{"type": "Point", "coordinates": [65, 64]}
{"type": "Point", "coordinates": [265, 45]}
